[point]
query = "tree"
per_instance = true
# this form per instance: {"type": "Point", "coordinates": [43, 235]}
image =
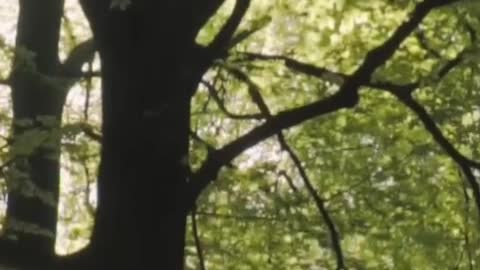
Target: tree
{"type": "Point", "coordinates": [149, 181]}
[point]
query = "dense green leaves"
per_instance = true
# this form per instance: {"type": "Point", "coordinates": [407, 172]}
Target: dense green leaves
{"type": "Point", "coordinates": [397, 199]}
{"type": "Point", "coordinates": [399, 202]}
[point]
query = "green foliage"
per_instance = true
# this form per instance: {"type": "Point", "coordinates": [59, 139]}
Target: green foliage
{"type": "Point", "coordinates": [396, 198]}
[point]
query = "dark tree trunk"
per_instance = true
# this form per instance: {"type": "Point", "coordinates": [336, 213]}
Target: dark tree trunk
{"type": "Point", "coordinates": [31, 218]}
{"type": "Point", "coordinates": [147, 86]}
{"type": "Point", "coordinates": [150, 69]}
{"type": "Point", "coordinates": [39, 84]}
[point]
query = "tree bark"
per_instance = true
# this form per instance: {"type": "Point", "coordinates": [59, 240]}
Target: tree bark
{"type": "Point", "coordinates": [151, 66]}
{"type": "Point", "coordinates": [39, 84]}
{"type": "Point", "coordinates": [148, 78]}
{"type": "Point", "coordinates": [37, 106]}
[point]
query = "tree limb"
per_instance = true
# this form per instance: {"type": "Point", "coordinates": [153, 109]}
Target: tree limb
{"type": "Point", "coordinates": [257, 98]}
{"type": "Point", "coordinates": [217, 159]}
{"type": "Point", "coordinates": [346, 97]}
{"type": "Point", "coordinates": [196, 238]}
{"type": "Point", "coordinates": [463, 162]}
{"type": "Point", "coordinates": [298, 66]}
{"type": "Point", "coordinates": [88, 130]}
{"type": "Point", "coordinates": [203, 10]}
{"type": "Point", "coordinates": [319, 203]}
{"type": "Point", "coordinates": [223, 38]}
{"type": "Point", "coordinates": [221, 105]}
{"type": "Point", "coordinates": [466, 231]}
{"type": "Point", "coordinates": [403, 93]}
{"type": "Point", "coordinates": [423, 42]}
{"type": "Point", "coordinates": [197, 138]}
{"type": "Point", "coordinates": [289, 180]}
{"type": "Point", "coordinates": [81, 54]}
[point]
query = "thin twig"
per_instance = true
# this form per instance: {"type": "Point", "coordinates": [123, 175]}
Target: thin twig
{"type": "Point", "coordinates": [221, 105]}
{"type": "Point", "coordinates": [88, 89]}
{"type": "Point", "coordinates": [430, 125]}
{"type": "Point", "coordinates": [257, 98]}
{"type": "Point", "coordinates": [346, 97]}
{"type": "Point", "coordinates": [241, 217]}
{"type": "Point", "coordinates": [87, 190]}
{"type": "Point", "coordinates": [199, 139]}
{"type": "Point", "coordinates": [196, 238]}
{"type": "Point", "coordinates": [465, 230]}
{"type": "Point", "coordinates": [404, 94]}
{"type": "Point", "coordinates": [289, 181]}
{"type": "Point", "coordinates": [88, 130]}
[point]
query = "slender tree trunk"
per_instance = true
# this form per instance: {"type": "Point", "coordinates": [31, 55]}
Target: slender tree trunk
{"type": "Point", "coordinates": [39, 84]}
{"type": "Point", "coordinates": [37, 108]}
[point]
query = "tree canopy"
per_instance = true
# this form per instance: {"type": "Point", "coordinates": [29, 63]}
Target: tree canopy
{"type": "Point", "coordinates": [349, 130]}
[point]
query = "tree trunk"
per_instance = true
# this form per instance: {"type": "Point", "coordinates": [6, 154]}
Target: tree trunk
{"type": "Point", "coordinates": [150, 68]}
{"type": "Point", "coordinates": [37, 107]}
{"type": "Point", "coordinates": [146, 112]}
{"type": "Point", "coordinates": [39, 84]}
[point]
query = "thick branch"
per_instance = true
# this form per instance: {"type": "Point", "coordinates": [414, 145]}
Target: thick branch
{"type": "Point", "coordinates": [326, 74]}
{"type": "Point", "coordinates": [90, 132]}
{"type": "Point", "coordinates": [463, 162]}
{"type": "Point", "coordinates": [204, 10]}
{"type": "Point", "coordinates": [346, 97]}
{"type": "Point", "coordinates": [220, 157]}
{"type": "Point", "coordinates": [80, 55]}
{"type": "Point", "coordinates": [381, 54]}
{"type": "Point", "coordinates": [403, 92]}
{"type": "Point", "coordinates": [223, 38]}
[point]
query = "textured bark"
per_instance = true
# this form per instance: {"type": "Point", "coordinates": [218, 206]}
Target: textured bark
{"type": "Point", "coordinates": [148, 75]}
{"type": "Point", "coordinates": [150, 69]}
